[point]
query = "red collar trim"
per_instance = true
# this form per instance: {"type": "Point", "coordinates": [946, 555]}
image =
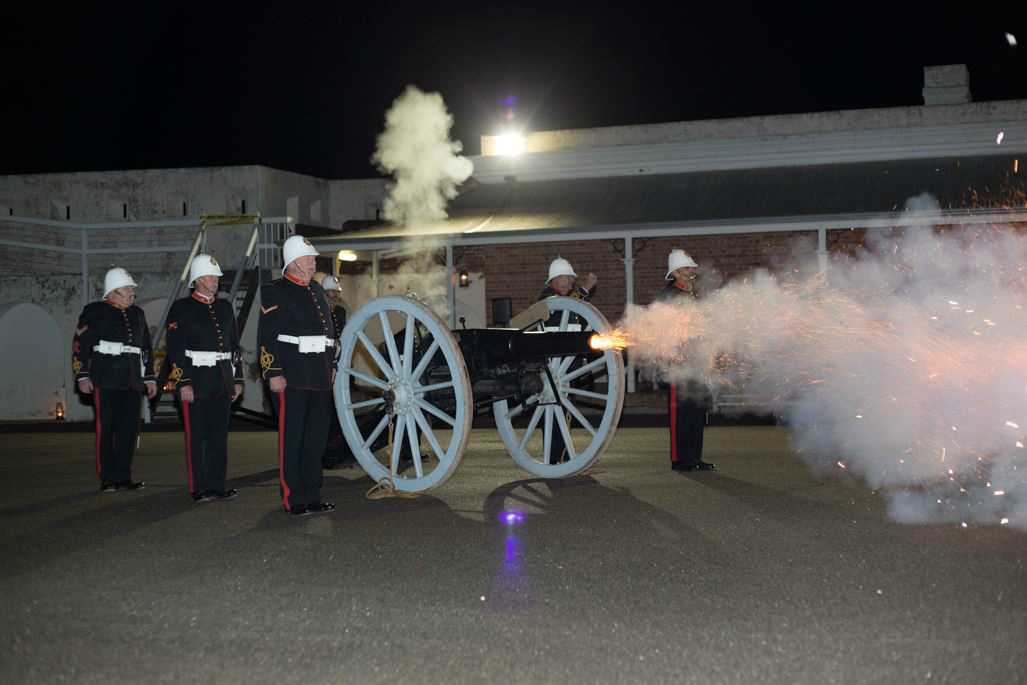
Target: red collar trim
{"type": "Point", "coordinates": [202, 298]}
{"type": "Point", "coordinates": [680, 287]}
{"type": "Point", "coordinates": [295, 280]}
{"type": "Point", "coordinates": [116, 306]}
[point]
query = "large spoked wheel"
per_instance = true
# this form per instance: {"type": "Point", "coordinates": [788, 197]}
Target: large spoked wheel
{"type": "Point", "coordinates": [583, 410]}
{"type": "Point", "coordinates": [400, 365]}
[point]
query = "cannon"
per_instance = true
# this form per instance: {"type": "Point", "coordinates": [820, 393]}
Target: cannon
{"type": "Point", "coordinates": [405, 381]}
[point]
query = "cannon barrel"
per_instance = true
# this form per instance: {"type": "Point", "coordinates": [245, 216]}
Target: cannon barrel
{"type": "Point", "coordinates": [504, 345]}
{"type": "Point", "coordinates": [526, 345]}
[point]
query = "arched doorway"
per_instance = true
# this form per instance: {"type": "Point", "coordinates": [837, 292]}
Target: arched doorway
{"type": "Point", "coordinates": [33, 360]}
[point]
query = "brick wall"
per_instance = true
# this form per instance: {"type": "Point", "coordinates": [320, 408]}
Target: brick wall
{"type": "Point", "coordinates": [519, 271]}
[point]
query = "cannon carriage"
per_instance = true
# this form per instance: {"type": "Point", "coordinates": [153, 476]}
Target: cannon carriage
{"type": "Point", "coordinates": [408, 389]}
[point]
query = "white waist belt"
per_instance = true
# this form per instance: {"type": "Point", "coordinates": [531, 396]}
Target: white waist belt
{"type": "Point", "coordinates": [115, 348]}
{"type": "Point", "coordinates": [309, 343]}
{"type": "Point", "coordinates": [207, 358]}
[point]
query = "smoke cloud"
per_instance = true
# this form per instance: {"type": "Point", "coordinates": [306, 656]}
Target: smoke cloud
{"type": "Point", "coordinates": [905, 366]}
{"type": "Point", "coordinates": [416, 150]}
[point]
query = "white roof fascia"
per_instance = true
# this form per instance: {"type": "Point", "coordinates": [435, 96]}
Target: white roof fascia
{"type": "Point", "coordinates": [775, 225]}
{"type": "Point", "coordinates": [952, 140]}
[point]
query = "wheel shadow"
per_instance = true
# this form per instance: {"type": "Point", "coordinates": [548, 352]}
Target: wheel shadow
{"type": "Point", "coordinates": [777, 504]}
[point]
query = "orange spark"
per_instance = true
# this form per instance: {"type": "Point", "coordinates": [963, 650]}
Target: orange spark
{"type": "Point", "coordinates": [615, 339]}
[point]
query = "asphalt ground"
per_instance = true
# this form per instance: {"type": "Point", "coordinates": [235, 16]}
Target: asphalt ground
{"type": "Point", "coordinates": [760, 572]}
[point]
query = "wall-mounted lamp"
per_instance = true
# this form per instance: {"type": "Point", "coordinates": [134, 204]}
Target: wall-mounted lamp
{"type": "Point", "coordinates": [465, 278]}
{"type": "Point", "coordinates": [347, 255]}
{"type": "Point", "coordinates": [59, 412]}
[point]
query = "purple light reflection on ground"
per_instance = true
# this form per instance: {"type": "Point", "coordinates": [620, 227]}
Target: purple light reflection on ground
{"type": "Point", "coordinates": [511, 517]}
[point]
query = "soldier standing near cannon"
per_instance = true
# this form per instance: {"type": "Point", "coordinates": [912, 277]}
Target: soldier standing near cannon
{"type": "Point", "coordinates": [336, 451]}
{"type": "Point", "coordinates": [687, 402]}
{"type": "Point", "coordinates": [298, 353]}
{"type": "Point", "coordinates": [204, 353]}
{"type": "Point", "coordinates": [113, 361]}
{"type": "Point", "coordinates": [561, 282]}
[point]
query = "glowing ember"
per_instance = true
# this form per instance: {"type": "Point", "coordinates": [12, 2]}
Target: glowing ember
{"type": "Point", "coordinates": [615, 339]}
{"type": "Point", "coordinates": [1011, 424]}
{"type": "Point", "coordinates": [1011, 39]}
{"type": "Point", "coordinates": [1001, 135]}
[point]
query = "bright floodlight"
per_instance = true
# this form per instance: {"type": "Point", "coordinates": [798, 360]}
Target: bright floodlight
{"type": "Point", "coordinates": [347, 255]}
{"type": "Point", "coordinates": [510, 144]}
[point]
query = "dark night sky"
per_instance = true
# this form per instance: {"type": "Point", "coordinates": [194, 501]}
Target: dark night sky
{"type": "Point", "coordinates": [306, 89]}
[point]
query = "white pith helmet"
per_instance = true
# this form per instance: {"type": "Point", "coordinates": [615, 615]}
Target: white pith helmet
{"type": "Point", "coordinates": [560, 267]}
{"type": "Point", "coordinates": [678, 260]}
{"type": "Point", "coordinates": [116, 278]}
{"type": "Point", "coordinates": [295, 247]}
{"type": "Point", "coordinates": [330, 283]}
{"type": "Point", "coordinates": [203, 265]}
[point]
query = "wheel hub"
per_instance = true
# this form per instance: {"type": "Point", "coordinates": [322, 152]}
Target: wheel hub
{"type": "Point", "coordinates": [402, 395]}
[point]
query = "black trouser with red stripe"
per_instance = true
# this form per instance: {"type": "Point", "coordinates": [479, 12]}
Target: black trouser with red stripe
{"type": "Point", "coordinates": [117, 428]}
{"type": "Point", "coordinates": [303, 417]}
{"type": "Point", "coordinates": [686, 405]}
{"type": "Point", "coordinates": [206, 441]}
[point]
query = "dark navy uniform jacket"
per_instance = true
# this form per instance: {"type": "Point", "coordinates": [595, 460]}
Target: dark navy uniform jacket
{"type": "Point", "coordinates": [104, 321]}
{"type": "Point", "coordinates": [694, 390]}
{"type": "Point", "coordinates": [576, 293]}
{"type": "Point", "coordinates": [338, 320]}
{"type": "Point", "coordinates": [287, 307]}
{"type": "Point", "coordinates": [201, 326]}
{"type": "Point", "coordinates": [673, 292]}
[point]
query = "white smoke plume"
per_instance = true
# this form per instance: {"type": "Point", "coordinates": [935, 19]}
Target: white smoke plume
{"type": "Point", "coordinates": [905, 366]}
{"type": "Point", "coordinates": [416, 150]}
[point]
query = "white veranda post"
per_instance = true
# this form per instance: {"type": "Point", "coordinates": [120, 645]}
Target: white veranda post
{"type": "Point", "coordinates": [584, 407]}
{"type": "Point", "coordinates": [383, 388]}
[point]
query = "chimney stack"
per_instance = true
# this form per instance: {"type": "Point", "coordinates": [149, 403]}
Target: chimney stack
{"type": "Point", "coordinates": [946, 84]}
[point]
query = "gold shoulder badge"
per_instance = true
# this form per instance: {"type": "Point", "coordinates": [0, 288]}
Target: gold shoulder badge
{"type": "Point", "coordinates": [76, 364]}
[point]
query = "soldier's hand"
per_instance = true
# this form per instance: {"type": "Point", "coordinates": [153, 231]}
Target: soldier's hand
{"type": "Point", "coordinates": [186, 394]}
{"type": "Point", "coordinates": [238, 391]}
{"type": "Point", "coordinates": [151, 389]}
{"type": "Point", "coordinates": [85, 386]}
{"type": "Point", "coordinates": [589, 281]}
{"type": "Point", "coordinates": [277, 384]}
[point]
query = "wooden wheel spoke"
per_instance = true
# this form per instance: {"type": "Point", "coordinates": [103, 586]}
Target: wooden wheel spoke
{"type": "Point", "coordinates": [591, 366]}
{"type": "Point", "coordinates": [390, 341]}
{"type": "Point", "coordinates": [389, 372]}
{"type": "Point", "coordinates": [565, 430]}
{"type": "Point", "coordinates": [434, 411]}
{"type": "Point", "coordinates": [531, 426]}
{"type": "Point", "coordinates": [427, 432]}
{"type": "Point", "coordinates": [367, 379]}
{"type": "Point", "coordinates": [569, 406]}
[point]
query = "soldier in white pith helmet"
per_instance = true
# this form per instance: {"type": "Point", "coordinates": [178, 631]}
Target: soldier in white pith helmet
{"type": "Point", "coordinates": [206, 371]}
{"type": "Point", "coordinates": [113, 362]}
{"type": "Point", "coordinates": [563, 281]}
{"type": "Point", "coordinates": [337, 451]}
{"type": "Point", "coordinates": [687, 402]}
{"type": "Point", "coordinates": [298, 357]}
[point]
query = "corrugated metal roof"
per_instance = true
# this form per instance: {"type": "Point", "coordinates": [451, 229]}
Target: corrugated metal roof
{"type": "Point", "coordinates": [717, 196]}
